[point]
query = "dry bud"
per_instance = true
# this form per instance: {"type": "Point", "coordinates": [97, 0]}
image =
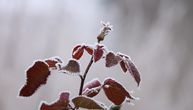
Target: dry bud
{"type": "Point", "coordinates": [107, 27]}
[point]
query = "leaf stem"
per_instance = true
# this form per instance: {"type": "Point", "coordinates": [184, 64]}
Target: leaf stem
{"type": "Point", "coordinates": [84, 76]}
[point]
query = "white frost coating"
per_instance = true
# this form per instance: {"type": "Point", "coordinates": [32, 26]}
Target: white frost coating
{"type": "Point", "coordinates": [106, 86]}
{"type": "Point", "coordinates": [124, 55]}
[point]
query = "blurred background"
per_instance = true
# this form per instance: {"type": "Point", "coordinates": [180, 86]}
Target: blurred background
{"type": "Point", "coordinates": [156, 34]}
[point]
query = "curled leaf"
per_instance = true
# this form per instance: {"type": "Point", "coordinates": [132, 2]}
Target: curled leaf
{"type": "Point", "coordinates": [72, 67]}
{"type": "Point", "coordinates": [88, 103]}
{"type": "Point", "coordinates": [115, 92]}
{"type": "Point", "coordinates": [133, 70]}
{"type": "Point", "coordinates": [36, 76]}
{"type": "Point", "coordinates": [78, 52]}
{"type": "Point", "coordinates": [53, 61]}
{"type": "Point", "coordinates": [122, 64]}
{"type": "Point", "coordinates": [127, 65]}
{"type": "Point", "coordinates": [92, 88]}
{"type": "Point", "coordinates": [61, 104]}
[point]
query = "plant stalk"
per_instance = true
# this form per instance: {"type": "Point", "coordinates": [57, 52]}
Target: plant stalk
{"type": "Point", "coordinates": [84, 76]}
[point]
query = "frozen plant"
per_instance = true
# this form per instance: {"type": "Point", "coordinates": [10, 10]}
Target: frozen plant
{"type": "Point", "coordinates": [38, 73]}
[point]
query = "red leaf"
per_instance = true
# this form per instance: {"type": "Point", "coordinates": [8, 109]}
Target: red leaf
{"type": "Point", "coordinates": [111, 59]}
{"type": "Point", "coordinates": [78, 52]}
{"type": "Point", "coordinates": [36, 76]}
{"type": "Point", "coordinates": [133, 70]}
{"type": "Point", "coordinates": [115, 92]}
{"type": "Point", "coordinates": [92, 88]}
{"type": "Point", "coordinates": [122, 64]}
{"type": "Point", "coordinates": [98, 52]}
{"type": "Point", "coordinates": [89, 49]}
{"type": "Point", "coordinates": [72, 66]}
{"type": "Point", "coordinates": [61, 104]}
{"type": "Point", "coordinates": [53, 61]}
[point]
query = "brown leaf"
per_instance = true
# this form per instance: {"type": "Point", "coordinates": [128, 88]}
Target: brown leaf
{"type": "Point", "coordinates": [133, 70]}
{"type": "Point", "coordinates": [122, 64]}
{"type": "Point", "coordinates": [36, 76]}
{"type": "Point", "coordinates": [61, 104]}
{"type": "Point", "coordinates": [115, 92]}
{"type": "Point", "coordinates": [86, 102]}
{"type": "Point", "coordinates": [89, 49]}
{"type": "Point", "coordinates": [92, 88]}
{"type": "Point", "coordinates": [111, 59]}
{"type": "Point", "coordinates": [78, 52]}
{"type": "Point", "coordinates": [127, 64]}
{"type": "Point", "coordinates": [98, 53]}
{"type": "Point", "coordinates": [72, 67]}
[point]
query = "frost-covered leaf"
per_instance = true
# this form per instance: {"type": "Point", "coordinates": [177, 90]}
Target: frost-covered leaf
{"type": "Point", "coordinates": [115, 92]}
{"type": "Point", "coordinates": [61, 104]}
{"type": "Point", "coordinates": [133, 70]}
{"type": "Point", "coordinates": [127, 65]}
{"type": "Point", "coordinates": [86, 102]}
{"type": "Point", "coordinates": [53, 61]}
{"type": "Point", "coordinates": [123, 67]}
{"type": "Point", "coordinates": [78, 52]}
{"type": "Point", "coordinates": [72, 67]}
{"type": "Point", "coordinates": [92, 88]}
{"type": "Point", "coordinates": [98, 52]}
{"type": "Point", "coordinates": [37, 75]}
{"type": "Point", "coordinates": [89, 49]}
{"type": "Point", "coordinates": [111, 59]}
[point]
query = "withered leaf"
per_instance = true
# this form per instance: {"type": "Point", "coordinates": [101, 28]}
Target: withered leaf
{"type": "Point", "coordinates": [61, 104]}
{"type": "Point", "coordinates": [127, 65]}
{"type": "Point", "coordinates": [52, 62]}
{"type": "Point", "coordinates": [111, 59]}
{"type": "Point", "coordinates": [115, 92]}
{"type": "Point", "coordinates": [133, 70]}
{"type": "Point", "coordinates": [36, 76]}
{"type": "Point", "coordinates": [122, 64]}
{"type": "Point", "coordinates": [86, 102]}
{"type": "Point", "coordinates": [72, 67]}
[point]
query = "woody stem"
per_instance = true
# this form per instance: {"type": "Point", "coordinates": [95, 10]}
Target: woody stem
{"type": "Point", "coordinates": [84, 75]}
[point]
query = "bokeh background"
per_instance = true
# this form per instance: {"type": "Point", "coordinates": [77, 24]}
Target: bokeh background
{"type": "Point", "coordinates": [156, 34]}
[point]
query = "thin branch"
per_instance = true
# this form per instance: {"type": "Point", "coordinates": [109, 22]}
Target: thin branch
{"type": "Point", "coordinates": [84, 76]}
{"type": "Point", "coordinates": [107, 27]}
